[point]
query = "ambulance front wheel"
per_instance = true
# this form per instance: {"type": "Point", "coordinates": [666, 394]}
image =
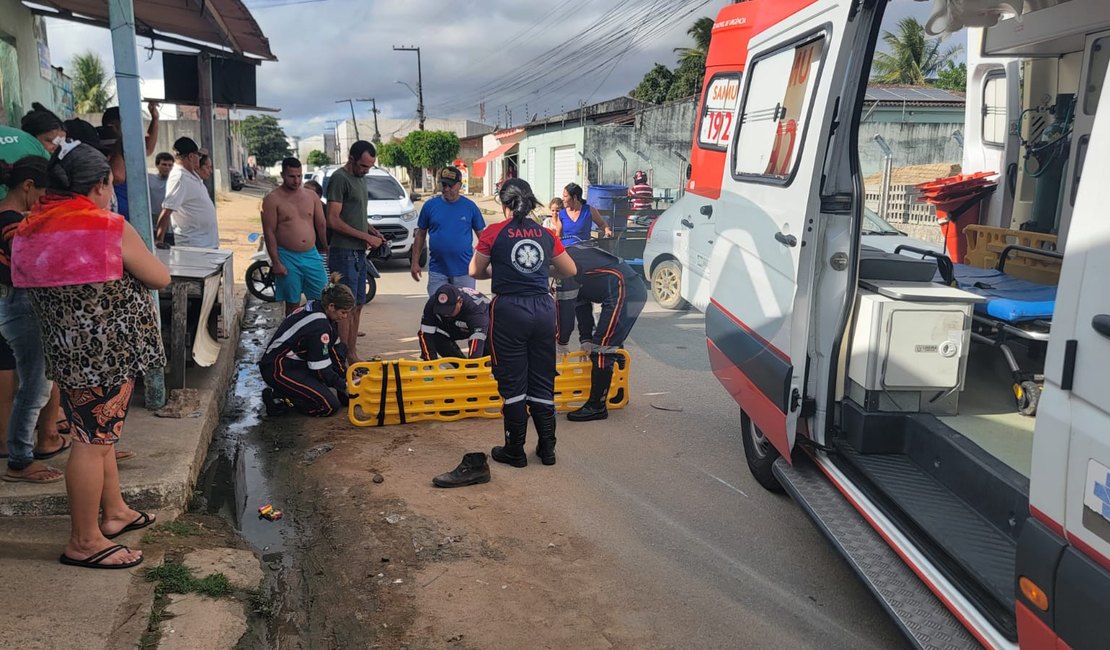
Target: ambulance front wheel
{"type": "Point", "coordinates": [760, 454]}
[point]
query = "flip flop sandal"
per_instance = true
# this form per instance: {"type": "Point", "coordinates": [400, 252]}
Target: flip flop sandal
{"type": "Point", "coordinates": [63, 427]}
{"type": "Point", "coordinates": [142, 521]}
{"type": "Point", "coordinates": [124, 455]}
{"type": "Point", "coordinates": [66, 444]}
{"type": "Point", "coordinates": [96, 560]}
{"type": "Point", "coordinates": [27, 479]}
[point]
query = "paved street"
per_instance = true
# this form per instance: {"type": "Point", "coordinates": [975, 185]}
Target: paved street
{"type": "Point", "coordinates": [662, 486]}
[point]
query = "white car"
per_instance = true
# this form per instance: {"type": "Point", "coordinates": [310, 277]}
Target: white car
{"type": "Point", "coordinates": [390, 209]}
{"type": "Point", "coordinates": [679, 243]}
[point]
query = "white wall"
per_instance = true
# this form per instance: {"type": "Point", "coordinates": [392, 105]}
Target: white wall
{"type": "Point", "coordinates": [538, 170]}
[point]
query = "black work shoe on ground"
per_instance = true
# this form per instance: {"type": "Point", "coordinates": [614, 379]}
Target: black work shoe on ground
{"type": "Point", "coordinates": [471, 471]}
{"type": "Point", "coordinates": [589, 412]}
{"type": "Point", "coordinates": [510, 455]}
{"type": "Point", "coordinates": [274, 405]}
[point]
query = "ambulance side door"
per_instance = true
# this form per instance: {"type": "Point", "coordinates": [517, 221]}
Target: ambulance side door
{"type": "Point", "coordinates": [757, 320]}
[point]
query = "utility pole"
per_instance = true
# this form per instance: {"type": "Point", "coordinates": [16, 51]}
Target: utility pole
{"type": "Point", "coordinates": [351, 103]}
{"type": "Point", "coordinates": [419, 82]}
{"type": "Point", "coordinates": [374, 111]}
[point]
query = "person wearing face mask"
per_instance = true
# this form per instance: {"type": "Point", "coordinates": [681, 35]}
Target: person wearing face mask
{"type": "Point", "coordinates": [89, 276]}
{"type": "Point", "coordinates": [26, 183]}
{"type": "Point", "coordinates": [45, 126]}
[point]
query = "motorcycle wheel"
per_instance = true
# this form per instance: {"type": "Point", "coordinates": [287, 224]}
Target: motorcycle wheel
{"type": "Point", "coordinates": [371, 287]}
{"type": "Point", "coordinates": [260, 281]}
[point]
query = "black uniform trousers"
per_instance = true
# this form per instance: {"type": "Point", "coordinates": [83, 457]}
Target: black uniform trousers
{"type": "Point", "coordinates": [293, 380]}
{"type": "Point", "coordinates": [443, 343]}
{"type": "Point", "coordinates": [625, 297]}
{"type": "Point", "coordinates": [522, 351]}
{"type": "Point", "coordinates": [572, 309]}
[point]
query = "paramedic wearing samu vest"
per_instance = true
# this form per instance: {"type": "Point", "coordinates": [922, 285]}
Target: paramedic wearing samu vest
{"type": "Point", "coordinates": [516, 254]}
{"type": "Point", "coordinates": [305, 360]}
{"type": "Point", "coordinates": [604, 279]}
{"type": "Point", "coordinates": [454, 314]}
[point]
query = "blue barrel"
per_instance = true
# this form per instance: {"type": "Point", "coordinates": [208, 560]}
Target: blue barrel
{"type": "Point", "coordinates": [611, 201]}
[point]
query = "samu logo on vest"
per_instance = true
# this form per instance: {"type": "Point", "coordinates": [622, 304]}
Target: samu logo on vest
{"type": "Point", "coordinates": [527, 256]}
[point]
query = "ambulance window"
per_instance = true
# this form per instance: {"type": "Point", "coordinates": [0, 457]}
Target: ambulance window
{"type": "Point", "coordinates": [719, 106]}
{"type": "Point", "coordinates": [776, 107]}
{"type": "Point", "coordinates": [994, 109]}
{"type": "Point", "coordinates": [1096, 74]}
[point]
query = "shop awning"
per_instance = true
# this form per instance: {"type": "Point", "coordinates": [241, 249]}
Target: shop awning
{"type": "Point", "coordinates": [479, 168]}
{"type": "Point", "coordinates": [219, 26]}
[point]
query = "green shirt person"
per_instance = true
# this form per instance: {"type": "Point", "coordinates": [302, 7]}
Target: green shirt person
{"type": "Point", "coordinates": [16, 144]}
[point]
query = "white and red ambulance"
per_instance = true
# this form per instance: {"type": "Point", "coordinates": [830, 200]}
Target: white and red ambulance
{"type": "Point", "coordinates": [947, 426]}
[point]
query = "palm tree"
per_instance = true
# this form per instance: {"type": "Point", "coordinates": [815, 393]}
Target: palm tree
{"type": "Point", "coordinates": [913, 58]}
{"type": "Point", "coordinates": [700, 31]}
{"type": "Point", "coordinates": [92, 87]}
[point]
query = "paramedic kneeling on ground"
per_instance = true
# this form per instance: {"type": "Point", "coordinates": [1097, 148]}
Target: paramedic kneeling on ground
{"type": "Point", "coordinates": [454, 314]}
{"type": "Point", "coordinates": [517, 253]}
{"type": "Point", "coordinates": [305, 359]}
{"type": "Point", "coordinates": [605, 279]}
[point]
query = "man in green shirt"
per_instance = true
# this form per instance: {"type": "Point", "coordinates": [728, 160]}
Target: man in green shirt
{"type": "Point", "coordinates": [16, 144]}
{"type": "Point", "coordinates": [351, 234]}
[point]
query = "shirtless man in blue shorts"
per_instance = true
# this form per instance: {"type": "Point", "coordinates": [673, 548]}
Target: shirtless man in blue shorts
{"type": "Point", "coordinates": [293, 228]}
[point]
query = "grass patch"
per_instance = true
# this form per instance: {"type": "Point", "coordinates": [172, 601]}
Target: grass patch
{"type": "Point", "coordinates": [262, 605]}
{"type": "Point", "coordinates": [173, 529]}
{"type": "Point", "coordinates": [213, 586]}
{"type": "Point", "coordinates": [176, 578]}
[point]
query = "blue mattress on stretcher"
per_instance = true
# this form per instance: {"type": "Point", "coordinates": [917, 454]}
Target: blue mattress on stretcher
{"type": "Point", "coordinates": [1008, 298]}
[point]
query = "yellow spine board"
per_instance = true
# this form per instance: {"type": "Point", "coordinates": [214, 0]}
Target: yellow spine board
{"type": "Point", "coordinates": [452, 389]}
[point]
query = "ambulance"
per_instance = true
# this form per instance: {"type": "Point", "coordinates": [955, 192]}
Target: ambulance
{"type": "Point", "coordinates": [943, 419]}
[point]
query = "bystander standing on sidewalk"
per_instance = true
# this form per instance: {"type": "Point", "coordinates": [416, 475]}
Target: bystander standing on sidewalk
{"type": "Point", "coordinates": [89, 275]}
{"type": "Point", "coordinates": [187, 207]}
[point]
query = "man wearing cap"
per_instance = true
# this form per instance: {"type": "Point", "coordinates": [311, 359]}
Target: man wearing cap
{"type": "Point", "coordinates": [448, 222]}
{"type": "Point", "coordinates": [187, 207]}
{"type": "Point", "coordinates": [454, 314]}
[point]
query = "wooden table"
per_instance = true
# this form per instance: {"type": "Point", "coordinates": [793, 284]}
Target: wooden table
{"type": "Point", "coordinates": [189, 268]}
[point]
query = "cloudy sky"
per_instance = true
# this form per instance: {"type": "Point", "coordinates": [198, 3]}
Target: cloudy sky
{"type": "Point", "coordinates": [543, 58]}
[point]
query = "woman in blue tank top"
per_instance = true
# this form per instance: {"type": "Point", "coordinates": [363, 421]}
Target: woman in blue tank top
{"type": "Point", "coordinates": [576, 218]}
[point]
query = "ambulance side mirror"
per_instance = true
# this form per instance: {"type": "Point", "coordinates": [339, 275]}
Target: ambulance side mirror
{"type": "Point", "coordinates": [707, 210]}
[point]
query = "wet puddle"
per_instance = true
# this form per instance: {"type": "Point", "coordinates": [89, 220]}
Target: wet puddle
{"type": "Point", "coordinates": [235, 479]}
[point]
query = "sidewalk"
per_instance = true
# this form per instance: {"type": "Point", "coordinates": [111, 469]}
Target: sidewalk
{"type": "Point", "coordinates": [49, 605]}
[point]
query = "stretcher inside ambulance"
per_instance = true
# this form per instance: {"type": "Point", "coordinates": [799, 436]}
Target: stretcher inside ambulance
{"type": "Point", "coordinates": [945, 420]}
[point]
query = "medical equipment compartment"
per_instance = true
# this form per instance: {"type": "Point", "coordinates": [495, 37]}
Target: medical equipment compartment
{"type": "Point", "coordinates": [909, 346]}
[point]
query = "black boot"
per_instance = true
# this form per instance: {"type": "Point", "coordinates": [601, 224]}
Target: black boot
{"type": "Point", "coordinates": [545, 430]}
{"type": "Point", "coordinates": [274, 405]}
{"type": "Point", "coordinates": [595, 408]}
{"type": "Point", "coordinates": [513, 451]}
{"type": "Point", "coordinates": [471, 471]}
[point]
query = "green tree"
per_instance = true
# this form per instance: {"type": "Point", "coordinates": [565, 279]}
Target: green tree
{"type": "Point", "coordinates": [701, 31]}
{"type": "Point", "coordinates": [913, 58]}
{"type": "Point", "coordinates": [687, 79]}
{"type": "Point", "coordinates": [92, 87]}
{"type": "Point", "coordinates": [392, 154]}
{"type": "Point", "coordinates": [318, 158]}
{"type": "Point", "coordinates": [431, 149]}
{"type": "Point", "coordinates": [654, 86]}
{"type": "Point", "coordinates": [952, 77]}
{"type": "Point", "coordinates": [265, 139]}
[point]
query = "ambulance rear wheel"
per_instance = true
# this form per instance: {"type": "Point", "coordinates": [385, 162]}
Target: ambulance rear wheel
{"type": "Point", "coordinates": [760, 454]}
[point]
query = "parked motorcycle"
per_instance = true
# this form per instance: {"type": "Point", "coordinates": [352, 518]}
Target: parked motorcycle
{"type": "Point", "coordinates": [260, 277]}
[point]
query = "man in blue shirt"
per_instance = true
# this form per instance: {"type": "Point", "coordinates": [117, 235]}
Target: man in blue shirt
{"type": "Point", "coordinates": [447, 222]}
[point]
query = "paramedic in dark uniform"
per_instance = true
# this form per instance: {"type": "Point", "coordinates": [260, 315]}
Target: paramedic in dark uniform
{"type": "Point", "coordinates": [517, 254]}
{"type": "Point", "coordinates": [603, 278]}
{"type": "Point", "coordinates": [305, 360]}
{"type": "Point", "coordinates": [452, 314]}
